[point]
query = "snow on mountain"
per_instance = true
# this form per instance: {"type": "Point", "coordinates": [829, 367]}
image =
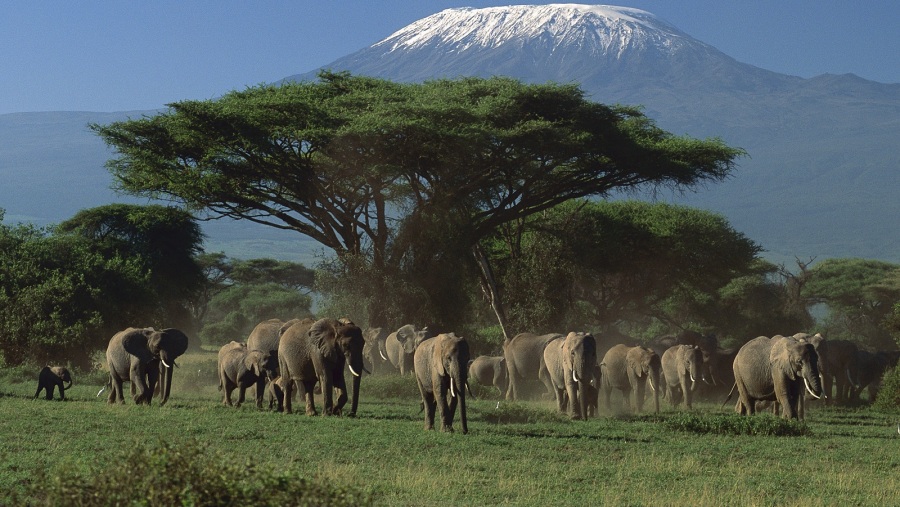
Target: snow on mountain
{"type": "Point", "coordinates": [595, 28]}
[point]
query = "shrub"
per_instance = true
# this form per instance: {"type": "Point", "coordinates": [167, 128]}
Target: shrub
{"type": "Point", "coordinates": [889, 395]}
{"type": "Point", "coordinates": [734, 424]}
{"type": "Point", "coordinates": [181, 474]}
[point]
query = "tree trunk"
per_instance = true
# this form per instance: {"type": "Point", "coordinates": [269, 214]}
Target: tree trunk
{"type": "Point", "coordinates": [489, 286]}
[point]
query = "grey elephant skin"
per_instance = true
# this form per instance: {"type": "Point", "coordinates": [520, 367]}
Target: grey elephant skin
{"type": "Point", "coordinates": [275, 394]}
{"type": "Point", "coordinates": [841, 369]}
{"type": "Point", "coordinates": [490, 371]}
{"type": "Point", "coordinates": [570, 364]}
{"type": "Point", "coordinates": [401, 345]}
{"type": "Point", "coordinates": [776, 369]}
{"type": "Point", "coordinates": [524, 355]}
{"type": "Point", "coordinates": [52, 377]}
{"type": "Point", "coordinates": [143, 357]}
{"type": "Point", "coordinates": [681, 366]}
{"type": "Point", "coordinates": [316, 352]}
{"type": "Point", "coordinates": [629, 370]}
{"type": "Point", "coordinates": [441, 369]}
{"type": "Point", "coordinates": [241, 368]}
{"type": "Point", "coordinates": [375, 350]}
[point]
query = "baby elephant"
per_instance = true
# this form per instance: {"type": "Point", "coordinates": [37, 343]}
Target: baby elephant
{"type": "Point", "coordinates": [275, 394]}
{"type": "Point", "coordinates": [241, 369]}
{"type": "Point", "coordinates": [53, 376]}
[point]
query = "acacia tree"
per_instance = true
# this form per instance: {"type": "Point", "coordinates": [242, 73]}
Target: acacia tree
{"type": "Point", "coordinates": [370, 168]}
{"type": "Point", "coordinates": [592, 264]}
{"type": "Point", "coordinates": [860, 294]}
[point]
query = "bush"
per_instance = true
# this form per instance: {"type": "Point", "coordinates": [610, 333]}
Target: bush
{"type": "Point", "coordinates": [181, 474]}
{"type": "Point", "coordinates": [889, 395]}
{"type": "Point", "coordinates": [734, 424]}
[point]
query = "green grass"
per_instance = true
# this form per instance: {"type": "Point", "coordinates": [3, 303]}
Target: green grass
{"type": "Point", "coordinates": [517, 454]}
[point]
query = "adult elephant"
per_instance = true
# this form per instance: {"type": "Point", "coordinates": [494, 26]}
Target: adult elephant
{"type": "Point", "coordinates": [841, 369]}
{"type": "Point", "coordinates": [375, 351]}
{"type": "Point", "coordinates": [143, 357]}
{"type": "Point", "coordinates": [266, 335]}
{"type": "Point", "coordinates": [629, 369]}
{"type": "Point", "coordinates": [490, 371]}
{"type": "Point", "coordinates": [311, 352]}
{"type": "Point", "coordinates": [872, 366]}
{"type": "Point", "coordinates": [53, 377]}
{"type": "Point", "coordinates": [681, 367]}
{"type": "Point", "coordinates": [570, 364]}
{"type": "Point", "coordinates": [524, 355]}
{"type": "Point", "coordinates": [441, 367]}
{"type": "Point", "coordinates": [401, 345]}
{"type": "Point", "coordinates": [776, 369]}
{"type": "Point", "coordinates": [240, 368]}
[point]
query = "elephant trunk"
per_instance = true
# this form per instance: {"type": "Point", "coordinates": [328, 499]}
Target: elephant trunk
{"type": "Point", "coordinates": [462, 412]}
{"type": "Point", "coordinates": [166, 383]}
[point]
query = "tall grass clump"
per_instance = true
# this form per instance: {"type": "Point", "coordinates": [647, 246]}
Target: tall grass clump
{"type": "Point", "coordinates": [888, 398]}
{"type": "Point", "coordinates": [180, 474]}
{"type": "Point", "coordinates": [734, 424]}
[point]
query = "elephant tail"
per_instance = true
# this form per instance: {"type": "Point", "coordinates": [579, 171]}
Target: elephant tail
{"type": "Point", "coordinates": [733, 387]}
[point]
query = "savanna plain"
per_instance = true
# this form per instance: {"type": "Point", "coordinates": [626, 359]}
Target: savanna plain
{"type": "Point", "coordinates": [521, 453]}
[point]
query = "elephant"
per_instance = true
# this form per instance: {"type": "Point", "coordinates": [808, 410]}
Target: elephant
{"type": "Point", "coordinates": [52, 377]}
{"type": "Point", "coordinates": [143, 357]}
{"type": "Point", "coordinates": [440, 365]}
{"type": "Point", "coordinates": [312, 352]}
{"type": "Point", "coordinates": [275, 394]}
{"type": "Point", "coordinates": [681, 366]}
{"type": "Point", "coordinates": [628, 369]}
{"type": "Point", "coordinates": [374, 351]}
{"type": "Point", "coordinates": [490, 371]}
{"type": "Point", "coordinates": [524, 355]}
{"type": "Point", "coordinates": [570, 363]}
{"type": "Point", "coordinates": [776, 369]}
{"type": "Point", "coordinates": [240, 368]}
{"type": "Point", "coordinates": [401, 345]}
{"type": "Point", "coordinates": [841, 369]}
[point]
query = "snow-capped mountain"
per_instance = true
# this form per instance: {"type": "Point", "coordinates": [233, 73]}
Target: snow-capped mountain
{"type": "Point", "coordinates": [597, 29]}
{"type": "Point", "coordinates": [822, 160]}
{"type": "Point", "coordinates": [821, 179]}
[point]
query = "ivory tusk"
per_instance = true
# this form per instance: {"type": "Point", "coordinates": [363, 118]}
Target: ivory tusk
{"type": "Point", "coordinates": [452, 391]}
{"type": "Point", "coordinates": [574, 377]}
{"type": "Point", "coordinates": [692, 377]}
{"type": "Point", "coordinates": [810, 390]}
{"type": "Point", "coordinates": [101, 391]}
{"type": "Point", "coordinates": [164, 363]}
{"type": "Point", "coordinates": [380, 353]}
{"type": "Point", "coordinates": [651, 382]}
{"type": "Point", "coordinates": [352, 370]}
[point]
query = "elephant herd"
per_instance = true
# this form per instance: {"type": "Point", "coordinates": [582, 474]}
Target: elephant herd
{"type": "Point", "coordinates": [281, 359]}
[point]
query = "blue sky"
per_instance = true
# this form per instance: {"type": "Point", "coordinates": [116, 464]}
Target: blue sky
{"type": "Point", "coordinates": [118, 56]}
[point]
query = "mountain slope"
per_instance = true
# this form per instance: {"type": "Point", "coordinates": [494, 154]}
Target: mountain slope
{"type": "Point", "coordinates": [820, 181]}
{"type": "Point", "coordinates": [823, 166]}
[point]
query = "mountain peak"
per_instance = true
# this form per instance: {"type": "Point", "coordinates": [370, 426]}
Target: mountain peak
{"type": "Point", "coordinates": [602, 29]}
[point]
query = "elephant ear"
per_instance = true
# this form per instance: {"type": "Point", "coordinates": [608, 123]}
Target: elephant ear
{"type": "Point", "coordinates": [635, 365]}
{"type": "Point", "coordinates": [172, 340]}
{"type": "Point", "coordinates": [322, 334]}
{"type": "Point", "coordinates": [780, 358]}
{"type": "Point", "coordinates": [405, 333]}
{"type": "Point", "coordinates": [136, 343]}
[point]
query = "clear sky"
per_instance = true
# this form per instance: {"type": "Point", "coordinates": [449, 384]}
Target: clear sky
{"type": "Point", "coordinates": [112, 55]}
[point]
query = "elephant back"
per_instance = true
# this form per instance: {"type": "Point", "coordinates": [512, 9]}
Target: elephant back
{"type": "Point", "coordinates": [265, 335]}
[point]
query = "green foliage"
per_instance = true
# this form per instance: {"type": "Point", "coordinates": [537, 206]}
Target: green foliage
{"type": "Point", "coordinates": [236, 310]}
{"type": "Point", "coordinates": [61, 299]}
{"type": "Point", "coordinates": [860, 294]}
{"type": "Point", "coordinates": [186, 473]}
{"type": "Point", "coordinates": [734, 424]}
{"type": "Point", "coordinates": [620, 260]}
{"type": "Point", "coordinates": [888, 398]}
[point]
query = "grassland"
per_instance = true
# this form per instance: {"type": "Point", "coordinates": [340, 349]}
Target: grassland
{"type": "Point", "coordinates": [517, 454]}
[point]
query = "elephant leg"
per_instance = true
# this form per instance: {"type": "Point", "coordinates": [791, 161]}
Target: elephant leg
{"type": "Point", "coordinates": [242, 395]}
{"type": "Point", "coordinates": [287, 394]}
{"type": "Point", "coordinates": [260, 392]}
{"type": "Point", "coordinates": [449, 413]}
{"type": "Point", "coordinates": [62, 392]}
{"type": "Point", "coordinates": [430, 406]}
{"type": "Point", "coordinates": [309, 395]}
